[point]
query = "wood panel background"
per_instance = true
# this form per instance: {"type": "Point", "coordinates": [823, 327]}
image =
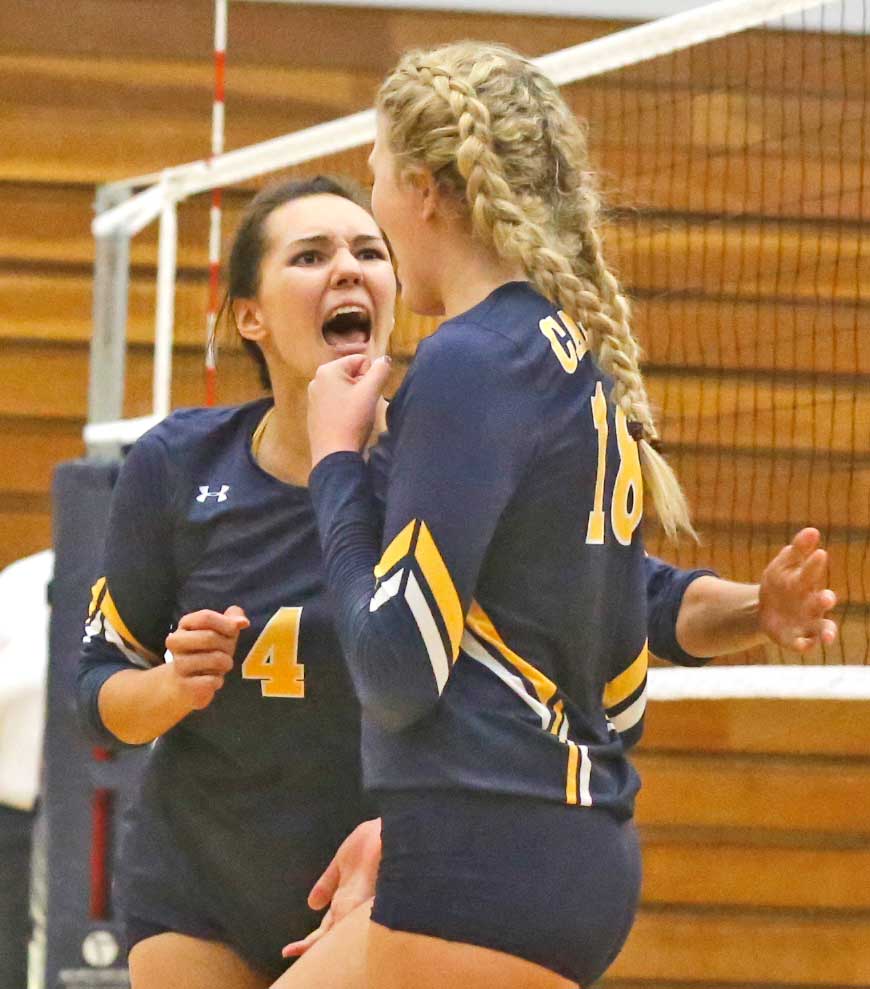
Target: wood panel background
{"type": "Point", "coordinates": [761, 381]}
{"type": "Point", "coordinates": [754, 847]}
{"type": "Point", "coordinates": [753, 813]}
{"type": "Point", "coordinates": [775, 375]}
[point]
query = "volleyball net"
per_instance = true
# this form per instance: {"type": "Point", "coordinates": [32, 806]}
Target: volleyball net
{"type": "Point", "coordinates": [731, 143]}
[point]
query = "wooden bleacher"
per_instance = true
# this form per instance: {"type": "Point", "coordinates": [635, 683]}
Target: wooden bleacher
{"type": "Point", "coordinates": [755, 850]}
{"type": "Point", "coordinates": [755, 833]}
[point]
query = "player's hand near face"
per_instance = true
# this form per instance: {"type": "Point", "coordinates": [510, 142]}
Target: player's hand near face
{"type": "Point", "coordinates": [202, 647]}
{"type": "Point", "coordinates": [347, 882]}
{"type": "Point", "coordinates": [342, 402]}
{"type": "Point", "coordinates": [793, 599]}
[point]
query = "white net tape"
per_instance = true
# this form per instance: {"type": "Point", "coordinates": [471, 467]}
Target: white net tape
{"type": "Point", "coordinates": [845, 683]}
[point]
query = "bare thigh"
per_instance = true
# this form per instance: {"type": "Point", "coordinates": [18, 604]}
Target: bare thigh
{"type": "Point", "coordinates": [337, 960]}
{"type": "Point", "coordinates": [398, 960]}
{"type": "Point", "coordinates": [359, 954]}
{"type": "Point", "coordinates": [178, 961]}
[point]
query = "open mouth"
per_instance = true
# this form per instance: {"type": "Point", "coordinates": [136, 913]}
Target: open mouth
{"type": "Point", "coordinates": [347, 324]}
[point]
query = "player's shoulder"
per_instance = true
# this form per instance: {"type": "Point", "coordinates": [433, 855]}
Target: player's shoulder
{"type": "Point", "coordinates": [187, 442]}
{"type": "Point", "coordinates": [184, 433]}
{"type": "Point", "coordinates": [517, 341]}
{"type": "Point", "coordinates": [486, 343]}
{"type": "Point", "coordinates": [500, 322]}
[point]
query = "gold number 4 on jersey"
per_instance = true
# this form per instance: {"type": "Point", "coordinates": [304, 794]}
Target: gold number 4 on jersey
{"type": "Point", "coordinates": [273, 657]}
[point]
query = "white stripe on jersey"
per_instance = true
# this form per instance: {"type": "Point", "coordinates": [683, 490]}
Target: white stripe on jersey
{"type": "Point", "coordinates": [585, 773]}
{"type": "Point", "coordinates": [631, 715]}
{"type": "Point", "coordinates": [429, 630]}
{"type": "Point", "coordinates": [100, 626]}
{"type": "Point", "coordinates": [471, 647]}
{"type": "Point", "coordinates": [386, 590]}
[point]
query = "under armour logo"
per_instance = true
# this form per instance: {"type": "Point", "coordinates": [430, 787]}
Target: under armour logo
{"type": "Point", "coordinates": [204, 493]}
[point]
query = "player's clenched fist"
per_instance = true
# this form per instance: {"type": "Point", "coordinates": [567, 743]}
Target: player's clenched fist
{"type": "Point", "coordinates": [343, 402]}
{"type": "Point", "coordinates": [202, 648]}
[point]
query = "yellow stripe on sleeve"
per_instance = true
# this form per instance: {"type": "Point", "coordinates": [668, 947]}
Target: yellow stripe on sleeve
{"type": "Point", "coordinates": [571, 779]}
{"type": "Point", "coordinates": [441, 585]}
{"type": "Point", "coordinates": [559, 712]}
{"type": "Point", "coordinates": [479, 622]}
{"type": "Point", "coordinates": [624, 685]}
{"type": "Point", "coordinates": [96, 591]}
{"type": "Point", "coordinates": [110, 611]}
{"type": "Point", "coordinates": [397, 550]}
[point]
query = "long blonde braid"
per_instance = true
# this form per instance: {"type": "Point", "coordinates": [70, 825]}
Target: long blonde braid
{"type": "Point", "coordinates": [496, 133]}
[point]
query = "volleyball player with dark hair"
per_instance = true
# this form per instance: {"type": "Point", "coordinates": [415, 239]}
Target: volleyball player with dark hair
{"type": "Point", "coordinates": [212, 553]}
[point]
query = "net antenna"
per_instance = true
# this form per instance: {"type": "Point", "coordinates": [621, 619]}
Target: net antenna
{"type": "Point", "coordinates": [218, 118]}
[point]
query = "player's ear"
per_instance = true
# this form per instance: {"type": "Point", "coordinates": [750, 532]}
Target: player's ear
{"type": "Point", "coordinates": [248, 318]}
{"type": "Point", "coordinates": [427, 191]}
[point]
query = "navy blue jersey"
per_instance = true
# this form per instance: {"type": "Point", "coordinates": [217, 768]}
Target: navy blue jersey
{"type": "Point", "coordinates": [501, 644]}
{"type": "Point", "coordinates": [245, 801]}
{"type": "Point", "coordinates": [242, 803]}
{"type": "Point", "coordinates": [665, 583]}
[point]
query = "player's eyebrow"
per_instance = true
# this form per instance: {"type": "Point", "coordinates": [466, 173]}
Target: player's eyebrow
{"type": "Point", "coordinates": [324, 240]}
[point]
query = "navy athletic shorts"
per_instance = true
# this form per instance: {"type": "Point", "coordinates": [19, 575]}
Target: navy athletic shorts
{"type": "Point", "coordinates": [136, 929]}
{"type": "Point", "coordinates": [191, 862]}
{"type": "Point", "coordinates": [555, 884]}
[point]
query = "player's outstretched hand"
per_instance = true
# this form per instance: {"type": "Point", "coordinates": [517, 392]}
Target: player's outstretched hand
{"type": "Point", "coordinates": [202, 648]}
{"type": "Point", "coordinates": [342, 401]}
{"type": "Point", "coordinates": [793, 599]}
{"type": "Point", "coordinates": [348, 882]}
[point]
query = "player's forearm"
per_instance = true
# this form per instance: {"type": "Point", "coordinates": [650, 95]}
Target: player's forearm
{"type": "Point", "coordinates": [717, 617]}
{"type": "Point", "coordinates": [137, 706]}
{"type": "Point", "coordinates": [387, 659]}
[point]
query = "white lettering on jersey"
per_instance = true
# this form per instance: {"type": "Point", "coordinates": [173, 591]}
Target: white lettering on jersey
{"type": "Point", "coordinates": [570, 351]}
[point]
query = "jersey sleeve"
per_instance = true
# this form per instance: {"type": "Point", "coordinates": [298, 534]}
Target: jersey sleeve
{"type": "Point", "coordinates": [625, 695]}
{"type": "Point", "coordinates": [131, 603]}
{"type": "Point", "coordinates": [459, 452]}
{"type": "Point", "coordinates": [665, 587]}
{"type": "Point", "coordinates": [380, 460]}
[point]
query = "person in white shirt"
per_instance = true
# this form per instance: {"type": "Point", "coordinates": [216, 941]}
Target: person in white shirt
{"type": "Point", "coordinates": [24, 613]}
